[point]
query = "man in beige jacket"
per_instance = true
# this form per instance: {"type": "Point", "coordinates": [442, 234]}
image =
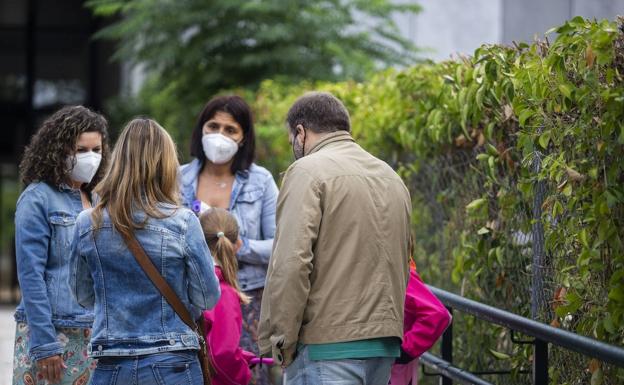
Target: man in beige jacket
{"type": "Point", "coordinates": [332, 308]}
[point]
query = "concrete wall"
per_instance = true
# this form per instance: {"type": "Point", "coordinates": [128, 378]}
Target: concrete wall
{"type": "Point", "coordinates": [448, 27]}
{"type": "Point", "coordinates": [523, 20]}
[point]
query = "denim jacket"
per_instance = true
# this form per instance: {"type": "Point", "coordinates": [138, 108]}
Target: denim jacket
{"type": "Point", "coordinates": [44, 226]}
{"type": "Point", "coordinates": [132, 318]}
{"type": "Point", "coordinates": [253, 201]}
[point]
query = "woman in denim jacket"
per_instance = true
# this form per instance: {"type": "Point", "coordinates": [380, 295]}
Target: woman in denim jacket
{"type": "Point", "coordinates": [223, 175]}
{"type": "Point", "coordinates": [137, 336]}
{"type": "Point", "coordinates": [64, 160]}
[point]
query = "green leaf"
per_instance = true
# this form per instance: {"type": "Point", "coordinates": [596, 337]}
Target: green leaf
{"type": "Point", "coordinates": [583, 238]}
{"type": "Point", "coordinates": [524, 115]}
{"type": "Point", "coordinates": [608, 323]}
{"type": "Point", "coordinates": [557, 208]}
{"type": "Point", "coordinates": [491, 149]}
{"type": "Point", "coordinates": [499, 255]}
{"type": "Point", "coordinates": [476, 204]}
{"type": "Point", "coordinates": [499, 355]}
{"type": "Point", "coordinates": [483, 230]}
{"type": "Point", "coordinates": [565, 90]}
{"type": "Point", "coordinates": [617, 294]}
{"type": "Point", "coordinates": [544, 139]}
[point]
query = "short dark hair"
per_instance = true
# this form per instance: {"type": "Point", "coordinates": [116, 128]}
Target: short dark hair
{"type": "Point", "coordinates": [241, 112]}
{"type": "Point", "coordinates": [319, 112]}
{"type": "Point", "coordinates": [45, 157]}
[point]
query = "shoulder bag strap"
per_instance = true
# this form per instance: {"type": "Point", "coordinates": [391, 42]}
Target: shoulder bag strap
{"type": "Point", "coordinates": [152, 272]}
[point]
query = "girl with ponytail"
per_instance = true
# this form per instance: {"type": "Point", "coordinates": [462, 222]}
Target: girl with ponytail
{"type": "Point", "coordinates": [223, 323]}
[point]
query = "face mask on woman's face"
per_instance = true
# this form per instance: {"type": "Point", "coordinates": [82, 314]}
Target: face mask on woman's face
{"type": "Point", "coordinates": [84, 166]}
{"type": "Point", "coordinates": [219, 149]}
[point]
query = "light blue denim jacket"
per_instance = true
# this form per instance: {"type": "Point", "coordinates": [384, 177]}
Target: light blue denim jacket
{"type": "Point", "coordinates": [44, 226]}
{"type": "Point", "coordinates": [131, 316]}
{"type": "Point", "coordinates": [253, 201]}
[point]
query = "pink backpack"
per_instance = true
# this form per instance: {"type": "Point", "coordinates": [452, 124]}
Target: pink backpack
{"type": "Point", "coordinates": [425, 319]}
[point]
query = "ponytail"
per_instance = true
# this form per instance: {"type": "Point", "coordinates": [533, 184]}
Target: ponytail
{"type": "Point", "coordinates": [226, 257]}
{"type": "Point", "coordinates": [221, 232]}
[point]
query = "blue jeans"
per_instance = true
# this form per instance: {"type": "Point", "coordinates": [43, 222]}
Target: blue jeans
{"type": "Point", "coordinates": [170, 368]}
{"type": "Point", "coordinates": [370, 371]}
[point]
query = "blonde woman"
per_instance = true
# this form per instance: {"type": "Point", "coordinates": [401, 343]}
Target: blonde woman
{"type": "Point", "coordinates": [137, 336]}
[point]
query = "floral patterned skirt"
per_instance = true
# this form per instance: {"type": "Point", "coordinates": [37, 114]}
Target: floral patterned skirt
{"type": "Point", "coordinates": [249, 337]}
{"type": "Point", "coordinates": [74, 341]}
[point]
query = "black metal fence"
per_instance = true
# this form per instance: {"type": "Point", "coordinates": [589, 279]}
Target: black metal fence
{"type": "Point", "coordinates": [543, 336]}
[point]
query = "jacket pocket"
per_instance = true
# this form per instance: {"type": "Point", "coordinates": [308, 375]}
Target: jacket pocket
{"type": "Point", "coordinates": [249, 209]}
{"type": "Point", "coordinates": [250, 196]}
{"type": "Point", "coordinates": [62, 224]}
{"type": "Point", "coordinates": [57, 273]}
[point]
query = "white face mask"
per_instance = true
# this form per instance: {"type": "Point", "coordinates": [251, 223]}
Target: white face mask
{"type": "Point", "coordinates": [219, 149]}
{"type": "Point", "coordinates": [84, 166]}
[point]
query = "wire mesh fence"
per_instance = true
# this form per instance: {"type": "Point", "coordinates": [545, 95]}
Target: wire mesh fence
{"type": "Point", "coordinates": [513, 269]}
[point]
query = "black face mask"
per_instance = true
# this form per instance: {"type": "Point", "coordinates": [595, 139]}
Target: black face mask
{"type": "Point", "coordinates": [298, 151]}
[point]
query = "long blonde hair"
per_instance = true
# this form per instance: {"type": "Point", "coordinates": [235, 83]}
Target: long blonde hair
{"type": "Point", "coordinates": [221, 233]}
{"type": "Point", "coordinates": [143, 173]}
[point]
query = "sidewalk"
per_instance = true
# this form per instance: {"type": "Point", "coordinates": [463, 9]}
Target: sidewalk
{"type": "Point", "coordinates": [7, 334]}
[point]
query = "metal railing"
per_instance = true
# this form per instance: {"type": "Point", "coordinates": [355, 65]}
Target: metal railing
{"type": "Point", "coordinates": [543, 336]}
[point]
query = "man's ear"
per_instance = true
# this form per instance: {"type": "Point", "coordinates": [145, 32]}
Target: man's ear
{"type": "Point", "coordinates": [300, 131]}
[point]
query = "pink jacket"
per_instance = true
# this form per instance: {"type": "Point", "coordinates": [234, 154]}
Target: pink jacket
{"type": "Point", "coordinates": [425, 317]}
{"type": "Point", "coordinates": [223, 326]}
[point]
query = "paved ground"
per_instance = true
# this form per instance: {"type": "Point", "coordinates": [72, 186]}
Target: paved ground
{"type": "Point", "coordinates": [7, 334]}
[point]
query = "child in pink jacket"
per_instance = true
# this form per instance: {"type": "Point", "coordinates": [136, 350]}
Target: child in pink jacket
{"type": "Point", "coordinates": [425, 319]}
{"type": "Point", "coordinates": [223, 323]}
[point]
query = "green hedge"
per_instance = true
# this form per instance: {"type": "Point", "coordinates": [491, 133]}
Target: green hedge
{"type": "Point", "coordinates": [495, 117]}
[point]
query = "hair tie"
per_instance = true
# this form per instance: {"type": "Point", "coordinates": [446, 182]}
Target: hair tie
{"type": "Point", "coordinates": [220, 234]}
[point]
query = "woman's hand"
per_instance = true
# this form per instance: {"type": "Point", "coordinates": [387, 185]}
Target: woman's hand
{"type": "Point", "coordinates": [51, 368]}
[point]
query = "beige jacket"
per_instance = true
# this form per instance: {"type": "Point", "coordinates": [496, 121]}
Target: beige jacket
{"type": "Point", "coordinates": [339, 266]}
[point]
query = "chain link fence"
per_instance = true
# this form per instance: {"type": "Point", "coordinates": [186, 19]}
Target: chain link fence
{"type": "Point", "coordinates": [519, 274]}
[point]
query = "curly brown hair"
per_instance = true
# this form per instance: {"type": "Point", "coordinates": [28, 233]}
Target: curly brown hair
{"type": "Point", "coordinates": [44, 158]}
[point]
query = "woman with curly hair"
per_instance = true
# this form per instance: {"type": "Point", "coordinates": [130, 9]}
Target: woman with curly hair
{"type": "Point", "coordinates": [65, 159]}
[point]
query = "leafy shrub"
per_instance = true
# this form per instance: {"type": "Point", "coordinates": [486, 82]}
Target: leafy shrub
{"type": "Point", "coordinates": [514, 158]}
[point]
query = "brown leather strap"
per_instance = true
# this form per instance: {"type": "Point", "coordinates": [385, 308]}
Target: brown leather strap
{"type": "Point", "coordinates": [157, 279]}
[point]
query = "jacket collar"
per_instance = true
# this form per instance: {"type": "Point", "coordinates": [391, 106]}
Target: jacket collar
{"type": "Point", "coordinates": [338, 136]}
{"type": "Point", "coordinates": [191, 173]}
